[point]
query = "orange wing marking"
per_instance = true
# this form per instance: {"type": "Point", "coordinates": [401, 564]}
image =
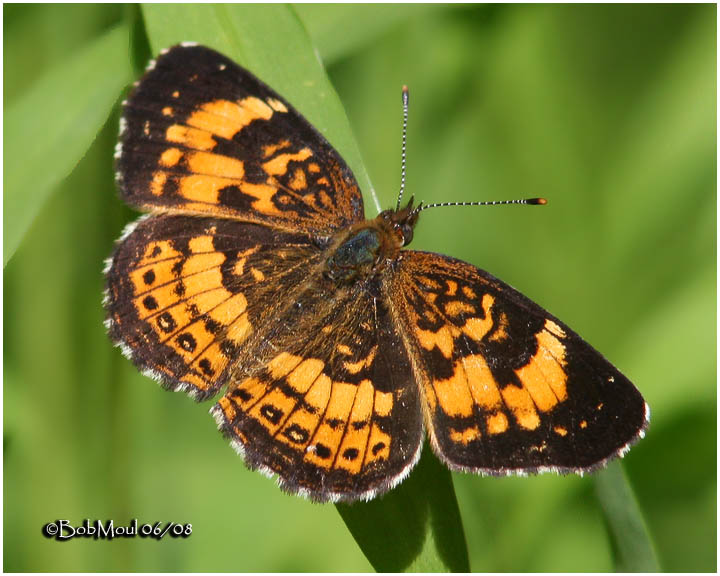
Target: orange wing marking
{"type": "Point", "coordinates": [278, 165]}
{"type": "Point", "coordinates": [465, 436]}
{"type": "Point", "coordinates": [474, 327]}
{"type": "Point", "coordinates": [325, 441]}
{"type": "Point", "coordinates": [270, 149]}
{"type": "Point", "coordinates": [209, 164]}
{"type": "Point", "coordinates": [543, 376]}
{"type": "Point", "coordinates": [277, 105]}
{"type": "Point", "coordinates": [497, 423]}
{"type": "Point", "coordinates": [242, 257]}
{"type": "Point", "coordinates": [225, 118]}
{"type": "Point", "coordinates": [190, 137]}
{"type": "Point", "coordinates": [306, 420]}
{"type": "Point", "coordinates": [351, 454]}
{"type": "Point", "coordinates": [518, 400]}
{"type": "Point", "coordinates": [158, 183]}
{"type": "Point", "coordinates": [355, 367]}
{"type": "Point", "coordinates": [171, 157]}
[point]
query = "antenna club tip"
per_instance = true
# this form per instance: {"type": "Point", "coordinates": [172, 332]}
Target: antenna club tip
{"type": "Point", "coordinates": [405, 89]}
{"type": "Point", "coordinates": [540, 201]}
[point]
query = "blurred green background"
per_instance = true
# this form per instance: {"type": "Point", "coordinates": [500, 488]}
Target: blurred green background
{"type": "Point", "coordinates": [607, 111]}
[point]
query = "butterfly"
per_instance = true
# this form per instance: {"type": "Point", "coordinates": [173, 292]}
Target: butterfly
{"type": "Point", "coordinates": [332, 349]}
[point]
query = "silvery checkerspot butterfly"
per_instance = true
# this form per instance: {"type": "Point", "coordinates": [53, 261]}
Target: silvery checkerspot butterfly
{"type": "Point", "coordinates": [256, 274]}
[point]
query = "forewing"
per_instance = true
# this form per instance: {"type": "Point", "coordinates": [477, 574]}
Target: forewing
{"type": "Point", "coordinates": [333, 410]}
{"type": "Point", "coordinates": [202, 135]}
{"type": "Point", "coordinates": [185, 294]}
{"type": "Point", "coordinates": [508, 387]}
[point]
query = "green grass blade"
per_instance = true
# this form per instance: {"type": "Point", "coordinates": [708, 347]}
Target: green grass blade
{"type": "Point", "coordinates": [436, 540]}
{"type": "Point", "coordinates": [54, 123]}
{"type": "Point", "coordinates": [631, 542]}
{"type": "Point", "coordinates": [414, 528]}
{"type": "Point", "coordinates": [36, 39]}
{"type": "Point", "coordinates": [335, 39]}
{"type": "Point", "coordinates": [272, 43]}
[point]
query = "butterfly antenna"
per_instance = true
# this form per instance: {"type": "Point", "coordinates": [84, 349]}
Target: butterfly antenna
{"type": "Point", "coordinates": [531, 201]}
{"type": "Point", "coordinates": [406, 103]}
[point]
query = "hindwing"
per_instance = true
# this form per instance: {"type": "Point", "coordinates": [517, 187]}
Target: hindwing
{"type": "Point", "coordinates": [186, 294]}
{"type": "Point", "coordinates": [330, 407]}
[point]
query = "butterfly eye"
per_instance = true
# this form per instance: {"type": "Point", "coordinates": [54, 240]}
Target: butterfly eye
{"type": "Point", "coordinates": [407, 234]}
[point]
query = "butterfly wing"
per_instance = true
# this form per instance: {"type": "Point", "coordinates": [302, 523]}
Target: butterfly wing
{"type": "Point", "coordinates": [201, 135]}
{"type": "Point", "coordinates": [223, 283]}
{"type": "Point", "coordinates": [185, 294]}
{"type": "Point", "coordinates": [320, 387]}
{"type": "Point", "coordinates": [507, 387]}
{"type": "Point", "coordinates": [331, 407]}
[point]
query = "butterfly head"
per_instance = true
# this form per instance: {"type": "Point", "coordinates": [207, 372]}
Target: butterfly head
{"type": "Point", "coordinates": [401, 223]}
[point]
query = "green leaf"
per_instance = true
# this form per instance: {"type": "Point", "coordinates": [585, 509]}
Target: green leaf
{"type": "Point", "coordinates": [50, 128]}
{"type": "Point", "coordinates": [414, 528]}
{"type": "Point", "coordinates": [328, 24]}
{"type": "Point", "coordinates": [272, 43]}
{"type": "Point", "coordinates": [689, 309]}
{"type": "Point", "coordinates": [37, 37]}
{"type": "Point", "coordinates": [631, 541]}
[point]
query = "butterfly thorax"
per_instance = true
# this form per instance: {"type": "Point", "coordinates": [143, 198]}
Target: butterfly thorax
{"type": "Point", "coordinates": [367, 247]}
